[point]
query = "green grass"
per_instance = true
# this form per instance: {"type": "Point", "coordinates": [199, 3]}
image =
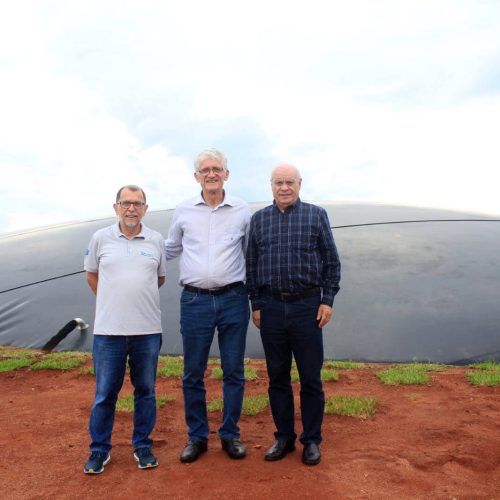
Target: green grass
{"type": "Point", "coordinates": [252, 405]}
{"type": "Point", "coordinates": [216, 373]}
{"type": "Point", "coordinates": [329, 375]}
{"type": "Point", "coordinates": [250, 373]}
{"type": "Point", "coordinates": [412, 374]}
{"type": "Point", "coordinates": [87, 370]}
{"type": "Point", "coordinates": [326, 375]}
{"type": "Point", "coordinates": [351, 406]}
{"type": "Point", "coordinates": [170, 366]}
{"type": "Point", "coordinates": [60, 361]}
{"type": "Point", "coordinates": [10, 353]}
{"type": "Point", "coordinates": [484, 377]}
{"type": "Point", "coordinates": [486, 365]}
{"type": "Point", "coordinates": [126, 403]}
{"type": "Point", "coordinates": [345, 365]}
{"type": "Point", "coordinates": [7, 365]}
{"type": "Point", "coordinates": [215, 405]}
{"type": "Point", "coordinates": [485, 373]}
{"type": "Point", "coordinates": [430, 367]}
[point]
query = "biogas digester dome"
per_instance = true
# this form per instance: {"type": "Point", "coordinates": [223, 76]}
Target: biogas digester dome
{"type": "Point", "coordinates": [417, 284]}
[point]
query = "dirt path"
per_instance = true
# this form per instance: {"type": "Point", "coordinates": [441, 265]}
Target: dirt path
{"type": "Point", "coordinates": [438, 441]}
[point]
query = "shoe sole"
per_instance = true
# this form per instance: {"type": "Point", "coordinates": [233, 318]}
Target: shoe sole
{"type": "Point", "coordinates": [148, 466]}
{"type": "Point", "coordinates": [101, 470]}
{"type": "Point", "coordinates": [311, 462]}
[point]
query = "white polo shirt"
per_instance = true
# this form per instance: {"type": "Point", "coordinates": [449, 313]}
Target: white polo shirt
{"type": "Point", "coordinates": [128, 300]}
{"type": "Point", "coordinates": [211, 242]}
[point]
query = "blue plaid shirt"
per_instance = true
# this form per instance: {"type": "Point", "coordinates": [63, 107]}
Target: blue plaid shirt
{"type": "Point", "coordinates": [291, 252]}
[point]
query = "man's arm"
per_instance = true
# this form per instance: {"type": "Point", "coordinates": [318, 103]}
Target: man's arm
{"type": "Point", "coordinates": [92, 279]}
{"type": "Point", "coordinates": [161, 280]}
{"type": "Point", "coordinates": [330, 261]}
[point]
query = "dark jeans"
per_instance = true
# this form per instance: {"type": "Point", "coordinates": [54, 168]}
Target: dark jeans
{"type": "Point", "coordinates": [200, 315]}
{"type": "Point", "coordinates": [291, 328]}
{"type": "Point", "coordinates": [110, 359]}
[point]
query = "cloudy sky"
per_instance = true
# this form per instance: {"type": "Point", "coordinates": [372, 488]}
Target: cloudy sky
{"type": "Point", "coordinates": [387, 101]}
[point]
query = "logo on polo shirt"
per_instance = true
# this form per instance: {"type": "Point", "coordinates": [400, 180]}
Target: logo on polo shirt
{"type": "Point", "coordinates": [146, 254]}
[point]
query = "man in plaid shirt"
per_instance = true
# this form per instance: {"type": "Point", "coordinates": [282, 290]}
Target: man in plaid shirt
{"type": "Point", "coordinates": [293, 275]}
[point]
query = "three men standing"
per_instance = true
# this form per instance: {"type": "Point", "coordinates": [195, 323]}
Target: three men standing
{"type": "Point", "coordinates": [125, 266]}
{"type": "Point", "coordinates": [209, 233]}
{"type": "Point", "coordinates": [293, 274]}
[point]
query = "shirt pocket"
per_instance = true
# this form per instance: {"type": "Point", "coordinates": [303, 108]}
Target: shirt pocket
{"type": "Point", "coordinates": [232, 233]}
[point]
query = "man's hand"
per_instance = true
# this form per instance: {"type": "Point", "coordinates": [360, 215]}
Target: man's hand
{"type": "Point", "coordinates": [324, 315]}
{"type": "Point", "coordinates": [256, 318]}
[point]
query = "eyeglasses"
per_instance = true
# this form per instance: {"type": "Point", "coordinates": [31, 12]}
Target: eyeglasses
{"type": "Point", "coordinates": [280, 182]}
{"type": "Point", "coordinates": [128, 204]}
{"type": "Point", "coordinates": [207, 170]}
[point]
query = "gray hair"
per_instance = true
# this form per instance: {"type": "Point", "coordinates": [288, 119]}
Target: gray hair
{"type": "Point", "coordinates": [130, 187]}
{"type": "Point", "coordinates": [212, 153]}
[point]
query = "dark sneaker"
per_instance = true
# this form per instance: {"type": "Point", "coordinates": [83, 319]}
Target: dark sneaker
{"type": "Point", "coordinates": [145, 458]}
{"type": "Point", "coordinates": [96, 462]}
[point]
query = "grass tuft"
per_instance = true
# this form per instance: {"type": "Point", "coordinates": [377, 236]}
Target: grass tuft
{"type": "Point", "coordinates": [87, 370]}
{"type": "Point", "coordinates": [482, 376]}
{"type": "Point", "coordinates": [412, 374]}
{"type": "Point", "coordinates": [252, 405]}
{"type": "Point", "coordinates": [170, 367]}
{"type": "Point", "coordinates": [8, 365]}
{"type": "Point", "coordinates": [11, 353]}
{"type": "Point", "coordinates": [326, 375]}
{"type": "Point", "coordinates": [345, 365]}
{"type": "Point", "coordinates": [250, 373]}
{"type": "Point", "coordinates": [216, 373]}
{"type": "Point", "coordinates": [60, 361]}
{"type": "Point", "coordinates": [486, 365]}
{"type": "Point", "coordinates": [351, 406]}
{"type": "Point", "coordinates": [126, 403]}
{"type": "Point", "coordinates": [215, 405]}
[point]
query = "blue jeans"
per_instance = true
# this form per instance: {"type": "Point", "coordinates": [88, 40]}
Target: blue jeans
{"type": "Point", "coordinates": [110, 359]}
{"type": "Point", "coordinates": [288, 328]}
{"type": "Point", "coordinates": [200, 315]}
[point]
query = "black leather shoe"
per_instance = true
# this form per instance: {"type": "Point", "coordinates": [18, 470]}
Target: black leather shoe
{"type": "Point", "coordinates": [193, 450]}
{"type": "Point", "coordinates": [233, 447]}
{"type": "Point", "coordinates": [278, 450]}
{"type": "Point", "coordinates": [311, 454]}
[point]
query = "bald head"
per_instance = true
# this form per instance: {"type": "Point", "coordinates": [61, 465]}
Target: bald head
{"type": "Point", "coordinates": [285, 170]}
{"type": "Point", "coordinates": [285, 183]}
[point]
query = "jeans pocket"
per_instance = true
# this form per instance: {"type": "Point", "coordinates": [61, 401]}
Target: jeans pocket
{"type": "Point", "coordinates": [188, 297]}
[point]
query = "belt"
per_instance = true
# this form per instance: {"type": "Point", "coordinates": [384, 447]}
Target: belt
{"type": "Point", "coordinates": [212, 291]}
{"type": "Point", "coordinates": [291, 296]}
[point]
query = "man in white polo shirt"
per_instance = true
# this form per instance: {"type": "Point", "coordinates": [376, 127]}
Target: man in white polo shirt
{"type": "Point", "coordinates": [209, 232]}
{"type": "Point", "coordinates": [125, 266]}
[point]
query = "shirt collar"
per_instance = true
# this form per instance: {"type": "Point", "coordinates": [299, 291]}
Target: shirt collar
{"type": "Point", "coordinates": [119, 234]}
{"type": "Point", "coordinates": [228, 200]}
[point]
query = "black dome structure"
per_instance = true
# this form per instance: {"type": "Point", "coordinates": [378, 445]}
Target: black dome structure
{"type": "Point", "coordinates": [417, 284]}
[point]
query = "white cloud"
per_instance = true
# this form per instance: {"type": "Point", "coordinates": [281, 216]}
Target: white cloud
{"type": "Point", "coordinates": [385, 101]}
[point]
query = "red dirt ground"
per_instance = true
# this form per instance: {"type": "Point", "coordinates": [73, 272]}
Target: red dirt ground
{"type": "Point", "coordinates": [437, 441]}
